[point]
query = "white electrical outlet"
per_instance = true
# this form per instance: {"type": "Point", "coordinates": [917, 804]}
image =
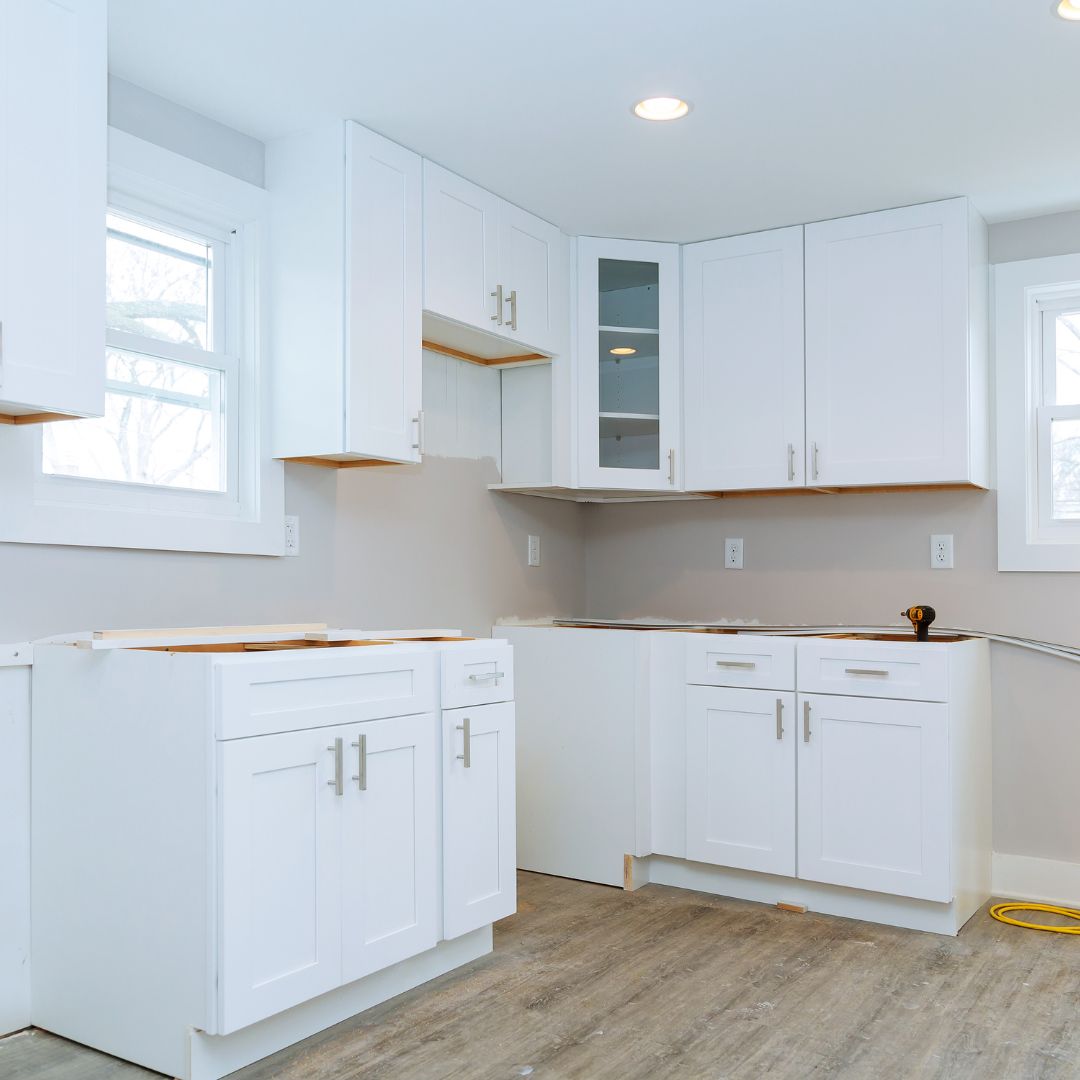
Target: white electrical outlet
{"type": "Point", "coordinates": [733, 554]}
{"type": "Point", "coordinates": [941, 552]}
{"type": "Point", "coordinates": [292, 534]}
{"type": "Point", "coordinates": [534, 550]}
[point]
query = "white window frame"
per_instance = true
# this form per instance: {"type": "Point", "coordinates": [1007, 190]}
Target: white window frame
{"type": "Point", "coordinates": [1027, 296]}
{"type": "Point", "coordinates": [35, 507]}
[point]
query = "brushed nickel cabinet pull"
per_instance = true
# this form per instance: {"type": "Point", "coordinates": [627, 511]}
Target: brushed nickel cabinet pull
{"type": "Point", "coordinates": [745, 665]}
{"type": "Point", "coordinates": [513, 309]}
{"type": "Point", "coordinates": [790, 461]}
{"type": "Point", "coordinates": [338, 783]}
{"type": "Point", "coordinates": [866, 671]}
{"type": "Point", "coordinates": [806, 721]}
{"type": "Point", "coordinates": [497, 318]}
{"type": "Point", "coordinates": [418, 420]}
{"type": "Point", "coordinates": [814, 456]}
{"type": "Point", "coordinates": [361, 762]}
{"type": "Point", "coordinates": [466, 743]}
{"type": "Point", "coordinates": [487, 676]}
{"type": "Point", "coordinates": [671, 466]}
{"type": "Point", "coordinates": [780, 718]}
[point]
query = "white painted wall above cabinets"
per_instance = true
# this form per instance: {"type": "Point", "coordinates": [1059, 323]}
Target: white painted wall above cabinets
{"type": "Point", "coordinates": [346, 280]}
{"type": "Point", "coordinates": [52, 209]}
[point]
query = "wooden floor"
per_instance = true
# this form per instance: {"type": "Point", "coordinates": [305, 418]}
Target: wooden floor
{"type": "Point", "coordinates": [594, 983]}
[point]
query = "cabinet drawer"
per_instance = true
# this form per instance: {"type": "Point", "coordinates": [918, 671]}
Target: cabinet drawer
{"type": "Point", "coordinates": [911, 672]}
{"type": "Point", "coordinates": [477, 675]}
{"type": "Point", "coordinates": [761, 663]}
{"type": "Point", "coordinates": [288, 692]}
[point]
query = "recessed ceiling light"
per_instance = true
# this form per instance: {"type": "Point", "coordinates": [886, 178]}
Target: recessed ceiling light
{"type": "Point", "coordinates": [673, 108]}
{"type": "Point", "coordinates": [1069, 9]}
{"type": "Point", "coordinates": [623, 350]}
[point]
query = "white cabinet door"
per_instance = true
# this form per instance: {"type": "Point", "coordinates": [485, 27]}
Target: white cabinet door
{"type": "Point", "coordinates": [389, 853]}
{"type": "Point", "coordinates": [461, 249]}
{"type": "Point", "coordinates": [280, 823]}
{"type": "Point", "coordinates": [52, 207]}
{"type": "Point", "coordinates": [628, 365]}
{"type": "Point", "coordinates": [479, 850]}
{"type": "Point", "coordinates": [535, 275]}
{"type": "Point", "coordinates": [874, 808]}
{"type": "Point", "coordinates": [740, 778]}
{"type": "Point", "coordinates": [743, 362]}
{"type": "Point", "coordinates": [887, 359]}
{"type": "Point", "coordinates": [383, 253]}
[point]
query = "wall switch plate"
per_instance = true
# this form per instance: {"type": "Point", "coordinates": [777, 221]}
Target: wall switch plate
{"type": "Point", "coordinates": [534, 550]}
{"type": "Point", "coordinates": [292, 534]}
{"type": "Point", "coordinates": [941, 551]}
{"type": "Point", "coordinates": [733, 554]}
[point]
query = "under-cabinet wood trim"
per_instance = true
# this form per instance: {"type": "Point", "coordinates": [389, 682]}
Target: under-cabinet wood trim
{"type": "Point", "coordinates": [483, 361]}
{"type": "Point", "coordinates": [333, 463]}
{"type": "Point", "coordinates": [36, 418]}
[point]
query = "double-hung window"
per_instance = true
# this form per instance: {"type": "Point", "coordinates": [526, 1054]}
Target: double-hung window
{"type": "Point", "coordinates": [178, 460]}
{"type": "Point", "coordinates": [1037, 348]}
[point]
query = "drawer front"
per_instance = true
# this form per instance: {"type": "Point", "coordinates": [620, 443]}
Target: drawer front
{"type": "Point", "coordinates": [282, 692]}
{"type": "Point", "coordinates": [756, 662]}
{"type": "Point", "coordinates": [909, 672]}
{"type": "Point", "coordinates": [477, 675]}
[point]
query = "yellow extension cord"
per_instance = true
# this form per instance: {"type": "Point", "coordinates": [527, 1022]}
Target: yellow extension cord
{"type": "Point", "coordinates": [998, 911]}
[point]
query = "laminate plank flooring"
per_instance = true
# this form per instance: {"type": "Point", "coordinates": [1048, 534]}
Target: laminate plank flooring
{"type": "Point", "coordinates": [593, 983]}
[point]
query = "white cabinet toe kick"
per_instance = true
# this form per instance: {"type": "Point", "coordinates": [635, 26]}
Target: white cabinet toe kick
{"type": "Point", "coordinates": [261, 843]}
{"type": "Point", "coordinates": [838, 775]}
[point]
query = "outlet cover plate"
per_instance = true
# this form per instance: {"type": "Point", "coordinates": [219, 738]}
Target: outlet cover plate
{"type": "Point", "coordinates": [534, 550]}
{"type": "Point", "coordinates": [733, 554]}
{"type": "Point", "coordinates": [941, 551]}
{"type": "Point", "coordinates": [292, 534]}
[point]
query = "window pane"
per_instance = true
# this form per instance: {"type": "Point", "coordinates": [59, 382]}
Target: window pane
{"type": "Point", "coordinates": [1067, 348]}
{"type": "Point", "coordinates": [157, 283]}
{"type": "Point", "coordinates": [163, 425]}
{"type": "Point", "coordinates": [1065, 463]}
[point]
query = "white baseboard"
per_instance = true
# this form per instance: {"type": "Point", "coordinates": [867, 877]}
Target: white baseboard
{"type": "Point", "coordinates": [1045, 881]}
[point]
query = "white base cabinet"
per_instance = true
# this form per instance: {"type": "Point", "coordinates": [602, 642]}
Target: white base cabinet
{"type": "Point", "coordinates": [479, 844]}
{"type": "Point", "coordinates": [249, 835]}
{"type": "Point", "coordinates": [874, 795]}
{"type": "Point", "coordinates": [740, 778]}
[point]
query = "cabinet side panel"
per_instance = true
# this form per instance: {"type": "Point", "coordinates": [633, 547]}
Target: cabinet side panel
{"type": "Point", "coordinates": [306, 176]}
{"type": "Point", "coordinates": [122, 784]}
{"type": "Point", "coordinates": [979, 350]}
{"type": "Point", "coordinates": [576, 693]}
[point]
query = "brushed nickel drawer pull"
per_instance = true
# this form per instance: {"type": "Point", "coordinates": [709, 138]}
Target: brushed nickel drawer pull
{"type": "Point", "coordinates": [466, 742]}
{"type": "Point", "coordinates": [338, 783]}
{"type": "Point", "coordinates": [361, 762]}
{"type": "Point", "coordinates": [745, 665]}
{"type": "Point", "coordinates": [866, 671]}
{"type": "Point", "coordinates": [486, 676]}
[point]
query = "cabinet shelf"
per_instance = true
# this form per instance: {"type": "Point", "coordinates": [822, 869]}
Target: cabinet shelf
{"type": "Point", "coordinates": [629, 330]}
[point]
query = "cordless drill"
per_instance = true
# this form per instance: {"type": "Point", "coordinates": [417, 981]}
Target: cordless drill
{"type": "Point", "coordinates": [921, 616]}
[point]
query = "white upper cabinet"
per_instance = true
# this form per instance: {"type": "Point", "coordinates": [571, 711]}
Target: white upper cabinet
{"type": "Point", "coordinates": [461, 248]}
{"type": "Point", "coordinates": [346, 250]}
{"type": "Point", "coordinates": [52, 208]}
{"type": "Point", "coordinates": [627, 361]}
{"type": "Point", "coordinates": [743, 362]}
{"type": "Point", "coordinates": [496, 279]}
{"type": "Point", "coordinates": [896, 386]}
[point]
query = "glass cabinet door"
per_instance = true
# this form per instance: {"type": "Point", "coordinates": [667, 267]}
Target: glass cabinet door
{"type": "Point", "coordinates": [628, 353]}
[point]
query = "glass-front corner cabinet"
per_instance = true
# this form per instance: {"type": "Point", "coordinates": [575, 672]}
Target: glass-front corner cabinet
{"type": "Point", "coordinates": [628, 365]}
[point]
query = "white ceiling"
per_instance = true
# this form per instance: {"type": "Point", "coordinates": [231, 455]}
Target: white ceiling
{"type": "Point", "coordinates": [801, 110]}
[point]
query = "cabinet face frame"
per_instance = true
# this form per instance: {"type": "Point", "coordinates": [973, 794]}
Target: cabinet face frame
{"type": "Point", "coordinates": [909, 273]}
{"type": "Point", "coordinates": [853, 798]}
{"type": "Point", "coordinates": [591, 473]}
{"type": "Point", "coordinates": [743, 336]}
